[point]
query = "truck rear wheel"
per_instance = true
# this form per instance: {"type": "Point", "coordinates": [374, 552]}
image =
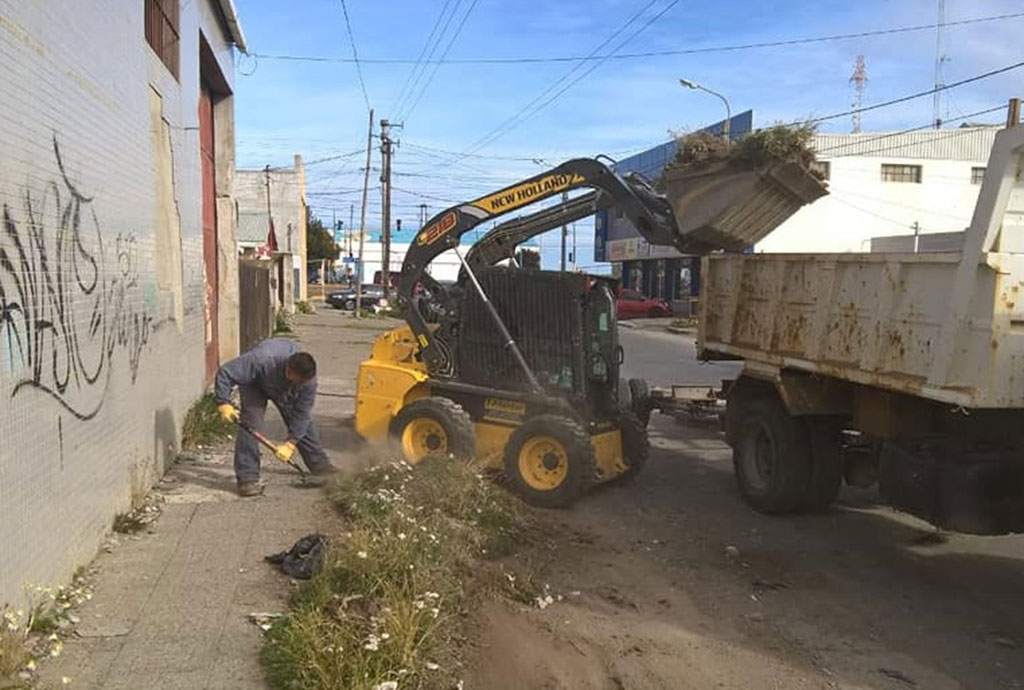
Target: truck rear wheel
{"type": "Point", "coordinates": [433, 427]}
{"type": "Point", "coordinates": [825, 435]}
{"type": "Point", "coordinates": [771, 456]}
{"type": "Point", "coordinates": [549, 461]}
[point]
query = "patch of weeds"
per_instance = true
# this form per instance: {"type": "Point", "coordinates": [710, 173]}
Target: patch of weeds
{"type": "Point", "coordinates": [203, 424]}
{"type": "Point", "coordinates": [388, 605]}
{"type": "Point", "coordinates": [129, 523]}
{"type": "Point", "coordinates": [31, 634]}
{"type": "Point", "coordinates": [282, 322]}
{"type": "Point", "coordinates": [305, 307]}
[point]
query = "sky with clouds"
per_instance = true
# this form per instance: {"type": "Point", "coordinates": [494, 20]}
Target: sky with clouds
{"type": "Point", "coordinates": [317, 109]}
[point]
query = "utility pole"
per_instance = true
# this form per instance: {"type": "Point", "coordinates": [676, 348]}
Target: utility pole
{"type": "Point", "coordinates": [385, 183]}
{"type": "Point", "coordinates": [351, 225]}
{"type": "Point", "coordinates": [575, 260]}
{"type": "Point", "coordinates": [917, 235]}
{"type": "Point", "coordinates": [270, 215]}
{"type": "Point", "coordinates": [362, 217]}
{"type": "Point", "coordinates": [423, 215]}
{"type": "Point", "coordinates": [565, 230]}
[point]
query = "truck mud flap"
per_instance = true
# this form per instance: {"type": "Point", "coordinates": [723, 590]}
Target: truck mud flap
{"type": "Point", "coordinates": [960, 489]}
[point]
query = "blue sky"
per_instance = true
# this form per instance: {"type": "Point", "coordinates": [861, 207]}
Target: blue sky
{"type": "Point", "coordinates": [318, 110]}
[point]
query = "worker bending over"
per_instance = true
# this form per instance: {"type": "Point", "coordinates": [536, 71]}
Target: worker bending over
{"type": "Point", "coordinates": [273, 370]}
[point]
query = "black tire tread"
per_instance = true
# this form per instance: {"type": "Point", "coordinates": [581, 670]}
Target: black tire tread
{"type": "Point", "coordinates": [826, 464]}
{"type": "Point", "coordinates": [580, 477]}
{"type": "Point", "coordinates": [457, 422]}
{"type": "Point", "coordinates": [792, 475]}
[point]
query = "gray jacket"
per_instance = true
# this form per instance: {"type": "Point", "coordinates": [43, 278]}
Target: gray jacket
{"type": "Point", "coordinates": [263, 367]}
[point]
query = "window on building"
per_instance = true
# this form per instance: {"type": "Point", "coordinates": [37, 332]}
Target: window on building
{"type": "Point", "coordinates": [901, 173]}
{"type": "Point", "coordinates": [977, 175]}
{"type": "Point", "coordinates": [822, 169]}
{"type": "Point", "coordinates": [162, 31]}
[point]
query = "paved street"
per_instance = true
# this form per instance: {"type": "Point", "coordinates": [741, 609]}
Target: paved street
{"type": "Point", "coordinates": [664, 358]}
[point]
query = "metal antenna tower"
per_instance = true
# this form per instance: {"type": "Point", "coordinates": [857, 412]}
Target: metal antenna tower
{"type": "Point", "coordinates": [940, 58]}
{"type": "Point", "coordinates": [859, 80]}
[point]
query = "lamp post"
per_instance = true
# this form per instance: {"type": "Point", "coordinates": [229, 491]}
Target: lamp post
{"type": "Point", "coordinates": [728, 109]}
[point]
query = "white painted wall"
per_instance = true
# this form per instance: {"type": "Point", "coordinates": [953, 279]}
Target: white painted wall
{"type": "Point", "coordinates": [861, 206]}
{"type": "Point", "coordinates": [100, 354]}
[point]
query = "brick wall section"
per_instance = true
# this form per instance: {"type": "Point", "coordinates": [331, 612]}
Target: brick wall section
{"type": "Point", "coordinates": [98, 363]}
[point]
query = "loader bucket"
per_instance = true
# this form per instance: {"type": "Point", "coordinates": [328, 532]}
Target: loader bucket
{"type": "Point", "coordinates": [722, 207]}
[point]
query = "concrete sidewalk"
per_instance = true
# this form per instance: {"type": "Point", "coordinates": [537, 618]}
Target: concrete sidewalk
{"type": "Point", "coordinates": [171, 607]}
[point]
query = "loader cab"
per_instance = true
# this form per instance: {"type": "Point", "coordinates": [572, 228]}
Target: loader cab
{"type": "Point", "coordinates": [601, 337]}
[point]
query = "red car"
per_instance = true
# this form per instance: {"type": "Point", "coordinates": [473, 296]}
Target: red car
{"type": "Point", "coordinates": [632, 304]}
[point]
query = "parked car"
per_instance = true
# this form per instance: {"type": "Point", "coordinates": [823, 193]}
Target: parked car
{"type": "Point", "coordinates": [632, 304]}
{"type": "Point", "coordinates": [346, 299]}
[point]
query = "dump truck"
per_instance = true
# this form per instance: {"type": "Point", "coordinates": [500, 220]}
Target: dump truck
{"type": "Point", "coordinates": [905, 370]}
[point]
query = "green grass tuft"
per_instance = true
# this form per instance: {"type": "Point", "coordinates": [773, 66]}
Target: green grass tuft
{"type": "Point", "coordinates": [388, 604]}
{"type": "Point", "coordinates": [203, 425]}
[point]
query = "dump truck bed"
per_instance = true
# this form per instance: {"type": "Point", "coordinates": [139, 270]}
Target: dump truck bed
{"type": "Point", "coordinates": [947, 327]}
{"type": "Point", "coordinates": [876, 319]}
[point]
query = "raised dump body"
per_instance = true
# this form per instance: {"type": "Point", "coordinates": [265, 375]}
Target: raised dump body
{"type": "Point", "coordinates": [876, 319]}
{"type": "Point", "coordinates": [948, 327]}
{"type": "Point", "coordinates": [905, 369]}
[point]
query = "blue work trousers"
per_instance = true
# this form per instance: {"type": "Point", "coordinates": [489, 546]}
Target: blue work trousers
{"type": "Point", "coordinates": [247, 448]}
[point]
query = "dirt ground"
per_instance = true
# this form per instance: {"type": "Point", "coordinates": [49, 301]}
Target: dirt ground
{"type": "Point", "coordinates": [672, 582]}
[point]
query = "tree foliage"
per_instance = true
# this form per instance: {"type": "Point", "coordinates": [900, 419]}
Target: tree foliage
{"type": "Point", "coordinates": [319, 240]}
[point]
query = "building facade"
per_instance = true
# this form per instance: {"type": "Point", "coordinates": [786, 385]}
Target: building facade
{"type": "Point", "coordinates": [278, 194]}
{"type": "Point", "coordinates": [118, 269]}
{"type": "Point", "coordinates": [886, 185]}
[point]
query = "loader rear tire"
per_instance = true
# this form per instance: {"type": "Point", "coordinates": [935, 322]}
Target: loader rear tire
{"type": "Point", "coordinates": [771, 456]}
{"type": "Point", "coordinates": [549, 461]}
{"type": "Point", "coordinates": [640, 393]}
{"type": "Point", "coordinates": [433, 427]}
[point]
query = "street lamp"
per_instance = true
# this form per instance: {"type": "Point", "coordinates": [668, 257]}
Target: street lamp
{"type": "Point", "coordinates": [728, 109]}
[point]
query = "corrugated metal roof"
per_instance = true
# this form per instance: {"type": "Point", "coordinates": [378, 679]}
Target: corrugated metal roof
{"type": "Point", "coordinates": [963, 144]}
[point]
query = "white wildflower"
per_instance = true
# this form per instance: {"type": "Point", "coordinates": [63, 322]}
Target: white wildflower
{"type": "Point", "coordinates": [372, 643]}
{"type": "Point", "coordinates": [435, 612]}
{"type": "Point", "coordinates": [386, 685]}
{"type": "Point", "coordinates": [401, 535]}
{"type": "Point", "coordinates": [64, 680]}
{"type": "Point", "coordinates": [431, 666]}
{"type": "Point", "coordinates": [362, 554]}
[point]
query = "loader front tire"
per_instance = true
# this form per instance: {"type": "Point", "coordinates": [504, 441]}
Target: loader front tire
{"type": "Point", "coordinates": [433, 427]}
{"type": "Point", "coordinates": [549, 461]}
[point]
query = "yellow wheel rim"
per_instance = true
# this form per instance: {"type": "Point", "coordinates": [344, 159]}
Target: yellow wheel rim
{"type": "Point", "coordinates": [422, 437]}
{"type": "Point", "coordinates": [543, 463]}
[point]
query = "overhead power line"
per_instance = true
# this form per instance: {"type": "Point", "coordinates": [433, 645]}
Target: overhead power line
{"type": "Point", "coordinates": [447, 49]}
{"type": "Point", "coordinates": [430, 47]}
{"type": "Point", "coordinates": [538, 102]}
{"type": "Point", "coordinates": [781, 43]}
{"type": "Point", "coordinates": [355, 53]}
{"type": "Point", "coordinates": [419, 59]}
{"type": "Point", "coordinates": [910, 97]}
{"type": "Point", "coordinates": [871, 139]}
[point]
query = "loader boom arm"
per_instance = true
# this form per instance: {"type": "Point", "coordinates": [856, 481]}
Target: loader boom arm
{"type": "Point", "coordinates": [648, 212]}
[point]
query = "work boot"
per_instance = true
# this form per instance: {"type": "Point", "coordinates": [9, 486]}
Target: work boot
{"type": "Point", "coordinates": [324, 470]}
{"type": "Point", "coordinates": [248, 489]}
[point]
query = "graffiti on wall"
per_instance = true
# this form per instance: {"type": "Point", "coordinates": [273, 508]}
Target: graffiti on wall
{"type": "Point", "coordinates": [71, 306]}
